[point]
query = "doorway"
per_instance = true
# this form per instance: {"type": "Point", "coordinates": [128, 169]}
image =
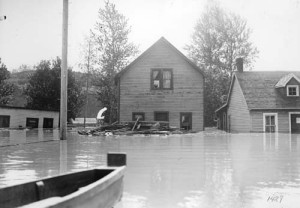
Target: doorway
{"type": "Point", "coordinates": [186, 121]}
{"type": "Point", "coordinates": [295, 123]}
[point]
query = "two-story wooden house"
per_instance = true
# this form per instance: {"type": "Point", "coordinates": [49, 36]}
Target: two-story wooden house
{"type": "Point", "coordinates": [262, 101]}
{"type": "Point", "coordinates": [162, 85]}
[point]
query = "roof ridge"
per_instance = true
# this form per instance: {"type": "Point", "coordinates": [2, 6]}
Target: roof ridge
{"type": "Point", "coordinates": [165, 41]}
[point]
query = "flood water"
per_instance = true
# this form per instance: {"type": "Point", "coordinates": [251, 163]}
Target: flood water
{"type": "Point", "coordinates": [207, 169]}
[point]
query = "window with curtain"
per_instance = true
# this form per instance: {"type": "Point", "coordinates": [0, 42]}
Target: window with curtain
{"type": "Point", "coordinates": [161, 79]}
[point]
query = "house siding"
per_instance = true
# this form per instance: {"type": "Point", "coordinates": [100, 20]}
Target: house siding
{"type": "Point", "coordinates": [255, 94]}
{"type": "Point", "coordinates": [283, 120]}
{"type": "Point", "coordinates": [18, 116]}
{"type": "Point", "coordinates": [238, 112]}
{"type": "Point", "coordinates": [186, 96]}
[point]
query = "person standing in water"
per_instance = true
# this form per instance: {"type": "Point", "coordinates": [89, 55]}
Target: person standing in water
{"type": "Point", "coordinates": [100, 117]}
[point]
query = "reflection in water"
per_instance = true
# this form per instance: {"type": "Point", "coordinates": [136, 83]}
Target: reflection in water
{"type": "Point", "coordinates": [133, 201]}
{"type": "Point", "coordinates": [18, 176]}
{"type": "Point", "coordinates": [63, 156]}
{"type": "Point", "coordinates": [13, 137]}
{"type": "Point", "coordinates": [195, 170]}
{"type": "Point", "coordinates": [193, 199]}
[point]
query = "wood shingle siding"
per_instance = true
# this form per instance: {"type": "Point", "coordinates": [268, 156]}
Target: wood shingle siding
{"type": "Point", "coordinates": [186, 94]}
{"type": "Point", "coordinates": [238, 113]}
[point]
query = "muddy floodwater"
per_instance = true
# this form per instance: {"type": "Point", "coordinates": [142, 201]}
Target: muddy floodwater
{"type": "Point", "coordinates": [210, 169]}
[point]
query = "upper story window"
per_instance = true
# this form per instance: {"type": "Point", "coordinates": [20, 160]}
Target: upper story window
{"type": "Point", "coordinates": [292, 90]}
{"type": "Point", "coordinates": [161, 79]}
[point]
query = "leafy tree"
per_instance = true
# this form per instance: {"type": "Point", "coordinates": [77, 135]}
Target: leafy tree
{"type": "Point", "coordinates": [43, 89]}
{"type": "Point", "coordinates": [219, 38]}
{"type": "Point", "coordinates": [22, 68]}
{"type": "Point", "coordinates": [6, 89]}
{"type": "Point", "coordinates": [112, 50]}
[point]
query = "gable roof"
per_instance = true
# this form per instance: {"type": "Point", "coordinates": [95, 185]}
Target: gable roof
{"type": "Point", "coordinates": [164, 41]}
{"type": "Point", "coordinates": [284, 80]}
{"type": "Point", "coordinates": [260, 92]}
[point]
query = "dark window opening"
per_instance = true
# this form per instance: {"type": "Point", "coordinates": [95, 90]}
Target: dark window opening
{"type": "Point", "coordinates": [48, 123]}
{"type": "Point", "coordinates": [32, 122]}
{"type": "Point", "coordinates": [4, 121]}
{"type": "Point", "coordinates": [161, 116]}
{"type": "Point", "coordinates": [161, 79]}
{"type": "Point", "coordinates": [140, 115]}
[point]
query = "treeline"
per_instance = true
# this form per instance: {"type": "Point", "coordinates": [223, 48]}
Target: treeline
{"type": "Point", "coordinates": [41, 87]}
{"type": "Point", "coordinates": [219, 38]}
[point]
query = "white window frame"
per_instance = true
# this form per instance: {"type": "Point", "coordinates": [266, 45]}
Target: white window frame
{"type": "Point", "coordinates": [264, 120]}
{"type": "Point", "coordinates": [290, 116]}
{"type": "Point", "coordinates": [292, 86]}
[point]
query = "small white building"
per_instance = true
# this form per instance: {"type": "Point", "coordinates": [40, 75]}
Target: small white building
{"type": "Point", "coordinates": [19, 117]}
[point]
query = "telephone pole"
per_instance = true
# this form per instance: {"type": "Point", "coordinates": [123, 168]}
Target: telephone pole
{"type": "Point", "coordinates": [64, 73]}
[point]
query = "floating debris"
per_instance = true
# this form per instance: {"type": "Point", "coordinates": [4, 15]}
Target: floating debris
{"type": "Point", "coordinates": [132, 128]}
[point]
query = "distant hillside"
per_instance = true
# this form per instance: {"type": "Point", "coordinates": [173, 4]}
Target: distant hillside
{"type": "Point", "coordinates": [19, 79]}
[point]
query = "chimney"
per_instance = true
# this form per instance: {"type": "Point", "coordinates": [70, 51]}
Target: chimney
{"type": "Point", "coordinates": [239, 64]}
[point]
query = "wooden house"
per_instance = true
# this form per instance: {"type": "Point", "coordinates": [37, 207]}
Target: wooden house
{"type": "Point", "coordinates": [162, 85]}
{"type": "Point", "coordinates": [262, 101]}
{"type": "Point", "coordinates": [19, 117]}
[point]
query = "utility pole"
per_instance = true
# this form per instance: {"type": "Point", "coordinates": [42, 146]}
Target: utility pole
{"type": "Point", "coordinates": [87, 83]}
{"type": "Point", "coordinates": [64, 73]}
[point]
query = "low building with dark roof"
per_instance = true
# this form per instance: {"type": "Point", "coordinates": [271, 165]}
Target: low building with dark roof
{"type": "Point", "coordinates": [262, 101]}
{"type": "Point", "coordinates": [162, 85]}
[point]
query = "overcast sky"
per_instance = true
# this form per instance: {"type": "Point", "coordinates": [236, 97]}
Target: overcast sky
{"type": "Point", "coordinates": [33, 28]}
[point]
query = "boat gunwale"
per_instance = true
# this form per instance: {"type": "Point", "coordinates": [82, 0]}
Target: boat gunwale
{"type": "Point", "coordinates": [115, 175]}
{"type": "Point", "coordinates": [98, 185]}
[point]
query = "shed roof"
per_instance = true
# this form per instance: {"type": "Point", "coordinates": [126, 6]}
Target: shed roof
{"type": "Point", "coordinates": [24, 108]}
{"type": "Point", "coordinates": [260, 92]}
{"type": "Point", "coordinates": [164, 41]}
